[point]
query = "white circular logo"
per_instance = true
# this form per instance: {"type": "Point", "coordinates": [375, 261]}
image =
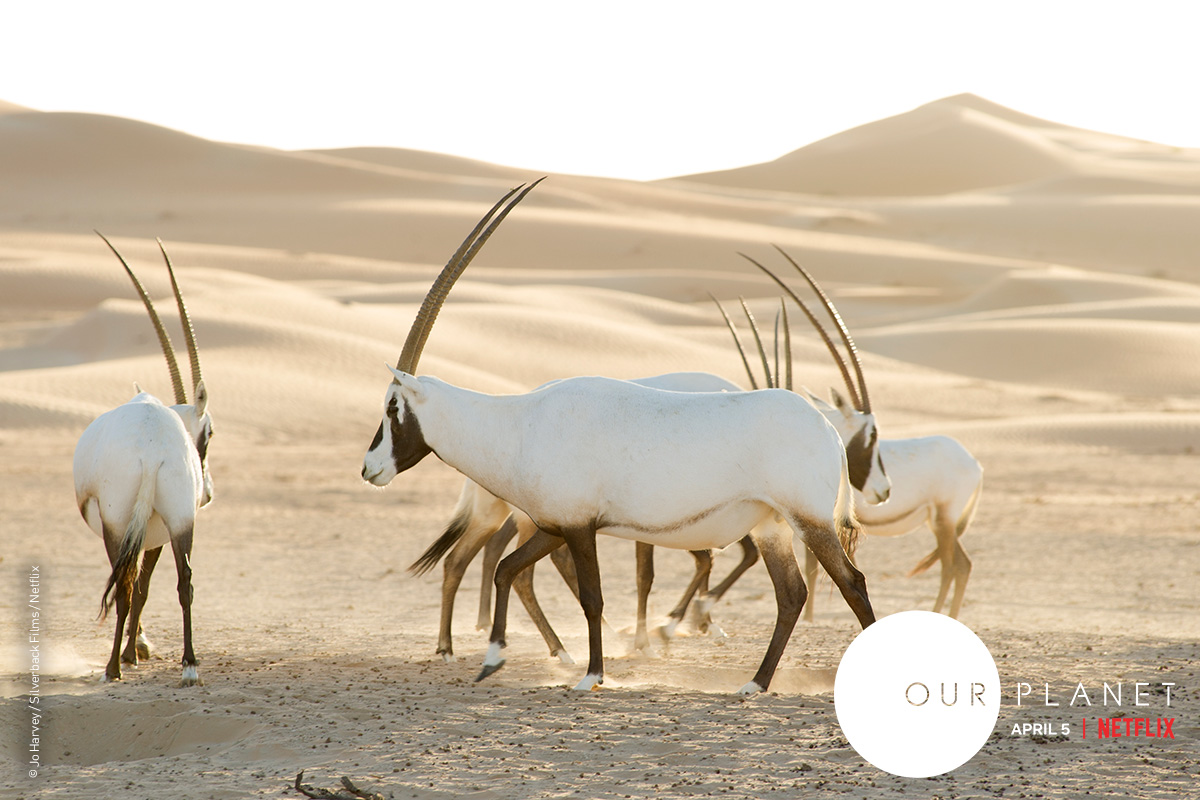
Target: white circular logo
{"type": "Point", "coordinates": [917, 694]}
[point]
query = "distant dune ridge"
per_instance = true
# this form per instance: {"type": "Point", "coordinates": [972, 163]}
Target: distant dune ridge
{"type": "Point", "coordinates": [1030, 288]}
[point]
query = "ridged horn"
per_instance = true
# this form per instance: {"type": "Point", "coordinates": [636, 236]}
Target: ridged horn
{"type": "Point", "coordinates": [163, 338]}
{"type": "Point", "coordinates": [185, 320]}
{"type": "Point", "coordinates": [427, 314]}
{"type": "Point", "coordinates": [837, 357]}
{"type": "Point", "coordinates": [758, 341]}
{"type": "Point", "coordinates": [737, 341]}
{"type": "Point", "coordinates": [841, 326]}
{"type": "Point", "coordinates": [787, 346]}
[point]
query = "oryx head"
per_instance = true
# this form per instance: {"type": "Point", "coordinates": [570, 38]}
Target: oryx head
{"type": "Point", "coordinates": [399, 443]}
{"type": "Point", "coordinates": [195, 416]}
{"type": "Point", "coordinates": [852, 418]}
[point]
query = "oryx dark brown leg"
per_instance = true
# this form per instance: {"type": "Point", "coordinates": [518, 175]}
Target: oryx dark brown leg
{"type": "Point", "coordinates": [825, 545]}
{"type": "Point", "coordinates": [181, 547]}
{"type": "Point", "coordinates": [523, 584]}
{"type": "Point", "coordinates": [582, 542]}
{"type": "Point", "coordinates": [122, 595]}
{"type": "Point", "coordinates": [136, 649]}
{"type": "Point", "coordinates": [113, 671]}
{"type": "Point", "coordinates": [453, 569]}
{"type": "Point", "coordinates": [644, 555]}
{"type": "Point", "coordinates": [790, 595]}
{"type": "Point", "coordinates": [537, 548]}
{"type": "Point", "coordinates": [492, 551]}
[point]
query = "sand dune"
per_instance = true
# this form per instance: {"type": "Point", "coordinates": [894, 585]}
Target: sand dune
{"type": "Point", "coordinates": [944, 147]}
{"type": "Point", "coordinates": [1027, 287]}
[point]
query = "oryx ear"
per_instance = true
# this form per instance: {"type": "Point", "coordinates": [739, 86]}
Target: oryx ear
{"type": "Point", "coordinates": [840, 403]}
{"type": "Point", "coordinates": [200, 402]}
{"type": "Point", "coordinates": [812, 398]}
{"type": "Point", "coordinates": [408, 383]}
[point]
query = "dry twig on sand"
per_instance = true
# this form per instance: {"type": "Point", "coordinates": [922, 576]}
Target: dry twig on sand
{"type": "Point", "coordinates": [325, 794]}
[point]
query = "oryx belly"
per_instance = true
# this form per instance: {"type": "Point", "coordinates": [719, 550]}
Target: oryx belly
{"type": "Point", "coordinates": [711, 529]}
{"type": "Point", "coordinates": [891, 518]}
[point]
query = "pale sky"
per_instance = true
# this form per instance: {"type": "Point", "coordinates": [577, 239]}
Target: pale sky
{"type": "Point", "coordinates": [638, 89]}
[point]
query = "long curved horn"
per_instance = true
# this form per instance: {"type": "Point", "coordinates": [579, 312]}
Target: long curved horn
{"type": "Point", "coordinates": [837, 357]}
{"type": "Point", "coordinates": [841, 326]}
{"type": "Point", "coordinates": [775, 349]}
{"type": "Point", "coordinates": [758, 341]}
{"type": "Point", "coordinates": [427, 314]}
{"type": "Point", "coordinates": [163, 338]}
{"type": "Point", "coordinates": [787, 347]}
{"type": "Point", "coordinates": [737, 341]}
{"type": "Point", "coordinates": [185, 320]}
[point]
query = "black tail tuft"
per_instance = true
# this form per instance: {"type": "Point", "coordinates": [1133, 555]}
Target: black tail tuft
{"type": "Point", "coordinates": [455, 531]}
{"type": "Point", "coordinates": [121, 581]}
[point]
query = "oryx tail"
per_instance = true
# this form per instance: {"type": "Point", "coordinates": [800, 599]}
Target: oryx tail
{"type": "Point", "coordinates": [848, 529]}
{"type": "Point", "coordinates": [125, 568]}
{"type": "Point", "coordinates": [460, 523]}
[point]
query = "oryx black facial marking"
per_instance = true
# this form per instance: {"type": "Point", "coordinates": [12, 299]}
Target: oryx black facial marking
{"type": "Point", "coordinates": [860, 456]}
{"type": "Point", "coordinates": [202, 443]}
{"type": "Point", "coordinates": [408, 443]}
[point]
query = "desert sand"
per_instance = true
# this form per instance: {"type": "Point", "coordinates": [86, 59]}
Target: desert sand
{"type": "Point", "coordinates": [1028, 288]}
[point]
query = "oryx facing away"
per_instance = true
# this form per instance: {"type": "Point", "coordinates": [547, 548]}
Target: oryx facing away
{"type": "Point", "coordinates": [141, 474]}
{"type": "Point", "coordinates": [708, 468]}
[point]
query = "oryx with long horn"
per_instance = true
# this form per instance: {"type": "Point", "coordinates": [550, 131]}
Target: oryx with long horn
{"type": "Point", "coordinates": [141, 474]}
{"type": "Point", "coordinates": [589, 456]}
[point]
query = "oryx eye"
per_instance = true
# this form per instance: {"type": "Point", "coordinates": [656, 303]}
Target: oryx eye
{"type": "Point", "coordinates": [392, 408]}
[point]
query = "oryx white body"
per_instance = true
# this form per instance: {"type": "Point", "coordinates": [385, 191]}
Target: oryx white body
{"type": "Point", "coordinates": [675, 469]}
{"type": "Point", "coordinates": [139, 461]}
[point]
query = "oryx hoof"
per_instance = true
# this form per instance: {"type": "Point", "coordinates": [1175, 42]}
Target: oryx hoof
{"type": "Point", "coordinates": [749, 689]}
{"type": "Point", "coordinates": [564, 656]}
{"type": "Point", "coordinates": [488, 669]}
{"type": "Point", "coordinates": [143, 647]}
{"type": "Point", "coordinates": [191, 676]}
{"type": "Point", "coordinates": [590, 683]}
{"type": "Point", "coordinates": [492, 661]}
{"type": "Point", "coordinates": [447, 656]}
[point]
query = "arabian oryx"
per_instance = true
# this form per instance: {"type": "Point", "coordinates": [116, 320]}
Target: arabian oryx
{"type": "Point", "coordinates": [141, 473]}
{"type": "Point", "coordinates": [483, 520]}
{"type": "Point", "coordinates": [586, 456]}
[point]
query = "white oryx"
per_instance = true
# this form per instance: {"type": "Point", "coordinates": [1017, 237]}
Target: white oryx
{"type": "Point", "coordinates": [586, 456]}
{"type": "Point", "coordinates": [141, 474]}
